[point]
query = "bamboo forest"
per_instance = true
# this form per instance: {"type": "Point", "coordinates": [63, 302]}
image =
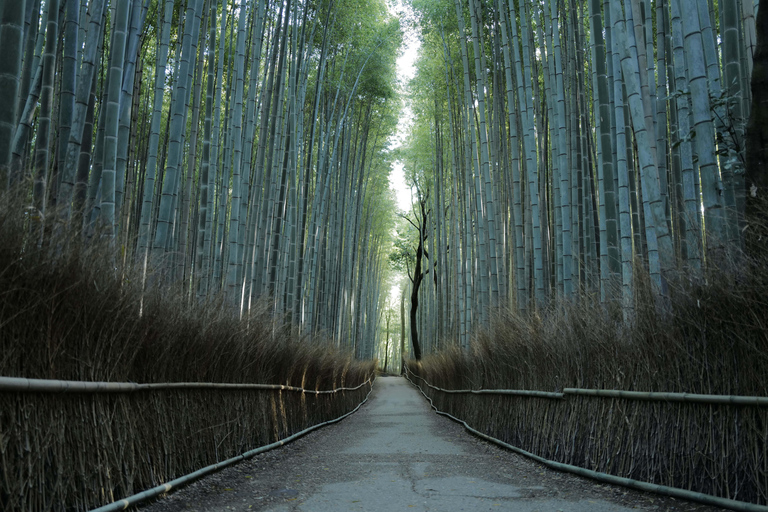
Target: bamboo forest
{"type": "Point", "coordinates": [242, 148]}
{"type": "Point", "coordinates": [203, 191]}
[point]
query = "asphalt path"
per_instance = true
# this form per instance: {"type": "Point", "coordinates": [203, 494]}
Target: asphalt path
{"type": "Point", "coordinates": [396, 454]}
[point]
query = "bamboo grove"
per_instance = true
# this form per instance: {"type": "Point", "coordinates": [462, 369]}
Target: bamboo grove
{"type": "Point", "coordinates": [228, 146]}
{"type": "Point", "coordinates": [575, 150]}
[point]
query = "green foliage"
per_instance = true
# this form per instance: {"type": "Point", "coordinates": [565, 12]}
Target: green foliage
{"type": "Point", "coordinates": [402, 255]}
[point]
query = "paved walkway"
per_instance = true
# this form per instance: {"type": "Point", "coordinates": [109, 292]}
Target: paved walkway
{"type": "Point", "coordinates": [396, 454]}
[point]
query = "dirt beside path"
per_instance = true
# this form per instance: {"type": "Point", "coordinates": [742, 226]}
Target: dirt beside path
{"type": "Point", "coordinates": [396, 454]}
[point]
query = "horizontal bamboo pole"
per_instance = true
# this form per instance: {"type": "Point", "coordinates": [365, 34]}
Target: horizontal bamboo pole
{"type": "Point", "coordinates": [191, 477]}
{"type": "Point", "coordinates": [675, 492]}
{"type": "Point", "coordinates": [516, 392]}
{"type": "Point", "coordinates": [22, 385]}
{"type": "Point", "coordinates": [756, 401]}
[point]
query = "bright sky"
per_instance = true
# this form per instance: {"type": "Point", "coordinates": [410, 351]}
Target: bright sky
{"type": "Point", "coordinates": [405, 71]}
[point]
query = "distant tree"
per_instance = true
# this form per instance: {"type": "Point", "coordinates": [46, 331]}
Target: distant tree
{"type": "Point", "coordinates": [412, 259]}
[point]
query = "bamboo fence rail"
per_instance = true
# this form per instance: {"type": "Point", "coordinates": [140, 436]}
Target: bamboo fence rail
{"type": "Point", "coordinates": [22, 385]}
{"type": "Point", "coordinates": [515, 392]}
{"type": "Point", "coordinates": [757, 401]}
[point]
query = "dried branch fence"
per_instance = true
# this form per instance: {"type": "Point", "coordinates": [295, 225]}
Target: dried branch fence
{"type": "Point", "coordinates": [706, 446]}
{"type": "Point", "coordinates": [74, 445]}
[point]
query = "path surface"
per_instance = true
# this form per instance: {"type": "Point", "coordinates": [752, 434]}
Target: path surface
{"type": "Point", "coordinates": [396, 454]}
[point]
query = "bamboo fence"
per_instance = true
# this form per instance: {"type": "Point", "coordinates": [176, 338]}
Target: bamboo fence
{"type": "Point", "coordinates": [699, 445]}
{"type": "Point", "coordinates": [74, 445]}
{"type": "Point", "coordinates": [758, 401]}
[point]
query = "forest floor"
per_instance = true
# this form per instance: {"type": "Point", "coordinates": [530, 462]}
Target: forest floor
{"type": "Point", "coordinates": [396, 454]}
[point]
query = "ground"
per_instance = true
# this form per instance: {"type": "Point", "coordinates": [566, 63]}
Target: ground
{"type": "Point", "coordinates": [396, 454]}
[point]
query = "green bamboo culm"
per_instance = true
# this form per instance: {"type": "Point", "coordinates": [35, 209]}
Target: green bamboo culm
{"type": "Point", "coordinates": [11, 41]}
{"type": "Point", "coordinates": [112, 109]}
{"type": "Point", "coordinates": [170, 186]}
{"type": "Point", "coordinates": [161, 64]}
{"type": "Point", "coordinates": [72, 139]}
{"type": "Point", "coordinates": [233, 284]}
{"type": "Point", "coordinates": [202, 251]}
{"type": "Point", "coordinates": [43, 142]}
{"type": "Point", "coordinates": [68, 82]}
